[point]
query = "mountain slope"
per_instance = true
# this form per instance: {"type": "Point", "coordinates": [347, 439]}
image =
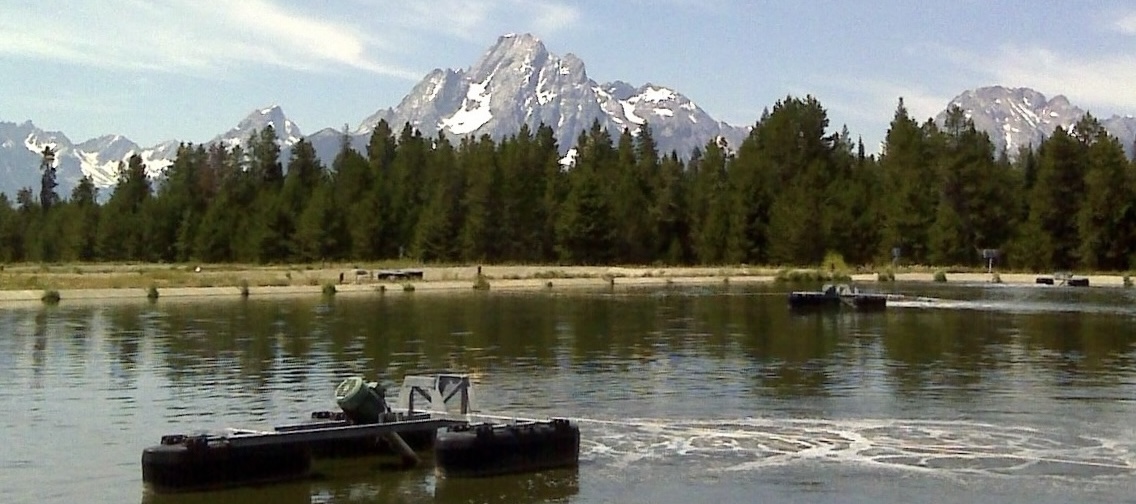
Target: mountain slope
{"type": "Point", "coordinates": [1017, 117]}
{"type": "Point", "coordinates": [517, 81]}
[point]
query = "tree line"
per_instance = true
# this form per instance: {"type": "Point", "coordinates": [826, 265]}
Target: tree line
{"type": "Point", "coordinates": [791, 193]}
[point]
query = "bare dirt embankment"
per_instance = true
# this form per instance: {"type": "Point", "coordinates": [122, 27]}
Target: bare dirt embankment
{"type": "Point", "coordinates": [95, 283]}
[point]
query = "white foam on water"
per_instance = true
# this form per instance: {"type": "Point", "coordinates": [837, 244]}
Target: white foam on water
{"type": "Point", "coordinates": [939, 448]}
{"type": "Point", "coordinates": [942, 447]}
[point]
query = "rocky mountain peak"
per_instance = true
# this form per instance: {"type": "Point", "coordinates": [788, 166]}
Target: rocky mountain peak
{"type": "Point", "coordinates": [1023, 117]}
{"type": "Point", "coordinates": [518, 81]}
{"type": "Point", "coordinates": [517, 53]}
{"type": "Point", "coordinates": [286, 131]}
{"type": "Point", "coordinates": [1015, 117]}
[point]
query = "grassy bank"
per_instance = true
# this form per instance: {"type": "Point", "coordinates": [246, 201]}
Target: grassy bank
{"type": "Point", "coordinates": [153, 281]}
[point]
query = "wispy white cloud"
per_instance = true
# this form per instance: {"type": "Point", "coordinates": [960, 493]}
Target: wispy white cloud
{"type": "Point", "coordinates": [1089, 79]}
{"type": "Point", "coordinates": [1125, 23]}
{"type": "Point", "coordinates": [474, 20]}
{"type": "Point", "coordinates": [202, 36]}
{"type": "Point", "coordinates": [552, 17]}
{"type": "Point", "coordinates": [872, 99]}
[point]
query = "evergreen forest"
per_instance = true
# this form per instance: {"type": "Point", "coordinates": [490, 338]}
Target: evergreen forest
{"type": "Point", "coordinates": [791, 193]}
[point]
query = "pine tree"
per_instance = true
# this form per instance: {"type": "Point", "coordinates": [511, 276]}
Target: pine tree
{"type": "Point", "coordinates": [1107, 218]}
{"type": "Point", "coordinates": [910, 186]}
{"type": "Point", "coordinates": [11, 233]}
{"type": "Point", "coordinates": [320, 232]}
{"type": "Point", "coordinates": [83, 221]}
{"type": "Point", "coordinates": [47, 195]}
{"type": "Point", "coordinates": [554, 191]}
{"type": "Point", "coordinates": [478, 238]}
{"type": "Point", "coordinates": [671, 214]}
{"type": "Point", "coordinates": [264, 158]}
{"type": "Point", "coordinates": [441, 218]}
{"type": "Point", "coordinates": [123, 222]}
{"type": "Point", "coordinates": [585, 230]}
{"type": "Point", "coordinates": [370, 219]}
{"type": "Point", "coordinates": [1055, 200]}
{"type": "Point", "coordinates": [713, 200]}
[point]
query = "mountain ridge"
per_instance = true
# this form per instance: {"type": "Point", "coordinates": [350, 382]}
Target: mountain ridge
{"type": "Point", "coordinates": [516, 81]}
{"type": "Point", "coordinates": [1023, 117]}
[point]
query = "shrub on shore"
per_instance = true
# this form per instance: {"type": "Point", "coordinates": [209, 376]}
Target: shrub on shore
{"type": "Point", "coordinates": [481, 283]}
{"type": "Point", "coordinates": [50, 296]}
{"type": "Point", "coordinates": [885, 276]}
{"type": "Point", "coordinates": [810, 275]}
{"type": "Point", "coordinates": [152, 293]}
{"type": "Point", "coordinates": [940, 276]}
{"type": "Point", "coordinates": [329, 289]}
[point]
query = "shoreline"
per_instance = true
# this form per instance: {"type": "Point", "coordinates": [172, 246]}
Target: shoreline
{"type": "Point", "coordinates": [456, 279]}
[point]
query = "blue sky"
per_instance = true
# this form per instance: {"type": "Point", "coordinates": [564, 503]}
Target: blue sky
{"type": "Point", "coordinates": [190, 69]}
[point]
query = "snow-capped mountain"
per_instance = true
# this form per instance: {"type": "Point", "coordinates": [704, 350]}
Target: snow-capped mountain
{"type": "Point", "coordinates": [21, 149]}
{"type": "Point", "coordinates": [518, 82]}
{"type": "Point", "coordinates": [287, 133]}
{"type": "Point", "coordinates": [1016, 117]}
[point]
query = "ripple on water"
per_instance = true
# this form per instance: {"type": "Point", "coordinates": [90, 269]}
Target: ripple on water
{"type": "Point", "coordinates": [946, 448]}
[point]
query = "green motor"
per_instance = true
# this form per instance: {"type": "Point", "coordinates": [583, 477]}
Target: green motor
{"type": "Point", "coordinates": [362, 402]}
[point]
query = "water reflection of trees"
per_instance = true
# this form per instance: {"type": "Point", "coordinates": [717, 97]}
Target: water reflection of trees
{"type": "Point", "coordinates": [263, 342]}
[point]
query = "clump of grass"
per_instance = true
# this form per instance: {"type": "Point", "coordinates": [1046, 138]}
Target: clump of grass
{"type": "Point", "coordinates": [50, 296]}
{"type": "Point", "coordinates": [807, 275]}
{"type": "Point", "coordinates": [152, 293]}
{"type": "Point", "coordinates": [244, 288]}
{"type": "Point", "coordinates": [481, 283]}
{"type": "Point", "coordinates": [407, 287]}
{"type": "Point", "coordinates": [548, 284]}
{"type": "Point", "coordinates": [382, 288]}
{"type": "Point", "coordinates": [995, 278]}
{"type": "Point", "coordinates": [1127, 281]}
{"type": "Point", "coordinates": [328, 289]}
{"type": "Point", "coordinates": [885, 276]}
{"type": "Point", "coordinates": [940, 276]}
{"type": "Point", "coordinates": [833, 261]}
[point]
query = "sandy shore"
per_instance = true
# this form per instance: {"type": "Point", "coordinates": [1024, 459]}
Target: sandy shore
{"type": "Point", "coordinates": [270, 281]}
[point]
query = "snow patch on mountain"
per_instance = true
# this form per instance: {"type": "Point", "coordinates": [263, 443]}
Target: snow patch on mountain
{"type": "Point", "coordinates": [475, 111]}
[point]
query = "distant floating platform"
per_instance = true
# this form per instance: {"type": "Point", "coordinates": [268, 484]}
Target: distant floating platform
{"type": "Point", "coordinates": [1062, 279]}
{"type": "Point", "coordinates": [837, 296]}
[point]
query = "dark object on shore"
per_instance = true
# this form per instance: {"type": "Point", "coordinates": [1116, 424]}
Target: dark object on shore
{"type": "Point", "coordinates": [1066, 279]}
{"type": "Point", "coordinates": [399, 274]}
{"type": "Point", "coordinates": [837, 296]}
{"type": "Point", "coordinates": [494, 449]}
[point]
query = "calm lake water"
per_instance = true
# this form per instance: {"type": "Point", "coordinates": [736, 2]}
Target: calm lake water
{"type": "Point", "coordinates": [693, 394]}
